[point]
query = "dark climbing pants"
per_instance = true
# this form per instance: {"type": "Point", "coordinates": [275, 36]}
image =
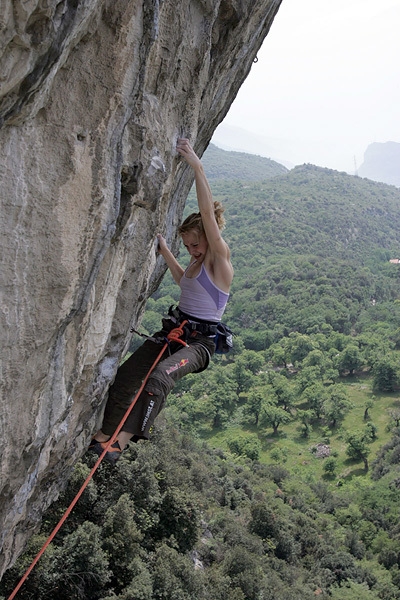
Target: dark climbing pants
{"type": "Point", "coordinates": [183, 360]}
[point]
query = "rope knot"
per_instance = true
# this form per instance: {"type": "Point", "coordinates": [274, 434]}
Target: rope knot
{"type": "Point", "coordinates": [175, 335]}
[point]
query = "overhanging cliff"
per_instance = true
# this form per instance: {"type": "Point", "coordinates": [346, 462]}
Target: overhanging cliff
{"type": "Point", "coordinates": [93, 96]}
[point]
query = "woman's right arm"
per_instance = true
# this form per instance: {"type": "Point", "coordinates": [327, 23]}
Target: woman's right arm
{"type": "Point", "coordinates": [222, 270]}
{"type": "Point", "coordinates": [173, 265]}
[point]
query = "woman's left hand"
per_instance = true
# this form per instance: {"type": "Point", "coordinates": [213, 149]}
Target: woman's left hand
{"type": "Point", "coordinates": [184, 148]}
{"type": "Point", "coordinates": [162, 244]}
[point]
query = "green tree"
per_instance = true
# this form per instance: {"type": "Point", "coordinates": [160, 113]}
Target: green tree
{"type": "Point", "coordinates": [317, 358]}
{"type": "Point", "coordinates": [305, 417]}
{"type": "Point", "coordinates": [307, 377]}
{"type": "Point", "coordinates": [316, 395]}
{"type": "Point", "coordinates": [371, 430]}
{"type": "Point", "coordinates": [358, 446]}
{"type": "Point", "coordinates": [120, 531]}
{"type": "Point", "coordinates": [330, 466]}
{"type": "Point", "coordinates": [253, 406]}
{"type": "Point", "coordinates": [178, 519]}
{"type": "Point", "coordinates": [248, 445]}
{"type": "Point", "coordinates": [350, 359]}
{"type": "Point", "coordinates": [279, 354]}
{"type": "Point", "coordinates": [337, 404]}
{"type": "Point", "coordinates": [372, 347]}
{"type": "Point", "coordinates": [282, 390]}
{"type": "Point", "coordinates": [141, 583]}
{"type": "Point", "coordinates": [369, 403]}
{"type": "Point", "coordinates": [395, 416]}
{"type": "Point", "coordinates": [265, 521]}
{"type": "Point", "coordinates": [274, 416]}
{"type": "Point", "coordinates": [341, 565]}
{"type": "Point", "coordinates": [243, 376]}
{"type": "Point", "coordinates": [80, 567]}
{"type": "Point", "coordinates": [386, 372]}
{"type": "Point", "coordinates": [252, 360]}
{"type": "Point", "coordinates": [173, 575]}
{"type": "Point", "coordinates": [299, 346]}
{"type": "Point", "coordinates": [279, 454]}
{"type": "Point", "coordinates": [242, 567]}
{"type": "Point", "coordinates": [216, 390]}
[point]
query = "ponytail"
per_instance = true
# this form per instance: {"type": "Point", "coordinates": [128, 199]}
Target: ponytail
{"type": "Point", "coordinates": [194, 221]}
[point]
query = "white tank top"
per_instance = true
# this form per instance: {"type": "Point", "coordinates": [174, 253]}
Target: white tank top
{"type": "Point", "coordinates": [201, 298]}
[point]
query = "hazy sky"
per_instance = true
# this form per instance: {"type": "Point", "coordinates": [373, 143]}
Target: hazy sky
{"type": "Point", "coordinates": [325, 86]}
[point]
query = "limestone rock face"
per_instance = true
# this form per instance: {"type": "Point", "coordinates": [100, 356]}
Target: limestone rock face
{"type": "Point", "coordinates": [93, 95]}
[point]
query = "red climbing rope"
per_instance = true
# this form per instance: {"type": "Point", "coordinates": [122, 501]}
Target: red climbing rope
{"type": "Point", "coordinates": [173, 336]}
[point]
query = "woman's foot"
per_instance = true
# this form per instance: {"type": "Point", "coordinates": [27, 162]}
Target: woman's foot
{"type": "Point", "coordinates": [113, 453]}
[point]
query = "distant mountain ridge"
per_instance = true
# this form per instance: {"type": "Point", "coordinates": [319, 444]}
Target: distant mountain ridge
{"type": "Point", "coordinates": [382, 163]}
{"type": "Point", "coordinates": [381, 160]}
{"type": "Point", "coordinates": [224, 164]}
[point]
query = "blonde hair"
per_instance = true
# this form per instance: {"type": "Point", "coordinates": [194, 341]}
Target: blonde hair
{"type": "Point", "coordinates": [194, 220]}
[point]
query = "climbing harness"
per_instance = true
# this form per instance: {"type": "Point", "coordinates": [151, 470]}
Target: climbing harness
{"type": "Point", "coordinates": [206, 328]}
{"type": "Point", "coordinates": [222, 334]}
{"type": "Point", "coordinates": [172, 336]}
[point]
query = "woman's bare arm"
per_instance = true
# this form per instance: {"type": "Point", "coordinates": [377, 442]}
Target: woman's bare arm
{"type": "Point", "coordinates": [173, 265]}
{"type": "Point", "coordinates": [219, 250]}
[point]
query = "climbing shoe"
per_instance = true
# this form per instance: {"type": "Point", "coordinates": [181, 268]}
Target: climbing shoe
{"type": "Point", "coordinates": [112, 454]}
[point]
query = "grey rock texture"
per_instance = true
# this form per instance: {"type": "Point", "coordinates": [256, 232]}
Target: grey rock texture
{"type": "Point", "coordinates": [93, 95]}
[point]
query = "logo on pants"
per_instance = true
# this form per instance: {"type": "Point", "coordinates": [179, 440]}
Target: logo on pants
{"type": "Point", "coordinates": [177, 366]}
{"type": "Point", "coordinates": [147, 415]}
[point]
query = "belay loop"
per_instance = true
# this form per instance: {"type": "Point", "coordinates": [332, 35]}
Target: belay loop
{"type": "Point", "coordinates": [176, 334]}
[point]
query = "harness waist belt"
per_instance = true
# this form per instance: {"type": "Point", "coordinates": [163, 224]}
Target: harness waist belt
{"type": "Point", "coordinates": [208, 328]}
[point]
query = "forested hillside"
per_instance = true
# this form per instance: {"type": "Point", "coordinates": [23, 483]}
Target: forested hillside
{"type": "Point", "coordinates": [317, 244]}
{"type": "Point", "coordinates": [222, 165]}
{"type": "Point", "coordinates": [274, 474]}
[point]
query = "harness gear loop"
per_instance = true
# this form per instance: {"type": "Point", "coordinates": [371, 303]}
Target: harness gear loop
{"type": "Point", "coordinates": [147, 337]}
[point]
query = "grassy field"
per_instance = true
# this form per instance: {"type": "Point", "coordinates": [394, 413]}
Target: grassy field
{"type": "Point", "coordinates": [294, 452]}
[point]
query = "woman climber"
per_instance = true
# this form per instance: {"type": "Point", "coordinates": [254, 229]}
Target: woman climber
{"type": "Point", "coordinates": [205, 286]}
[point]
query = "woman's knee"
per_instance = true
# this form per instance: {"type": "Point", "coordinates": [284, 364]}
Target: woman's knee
{"type": "Point", "coordinates": [159, 385]}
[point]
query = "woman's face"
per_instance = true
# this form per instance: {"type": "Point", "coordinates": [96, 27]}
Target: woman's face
{"type": "Point", "coordinates": [196, 244]}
